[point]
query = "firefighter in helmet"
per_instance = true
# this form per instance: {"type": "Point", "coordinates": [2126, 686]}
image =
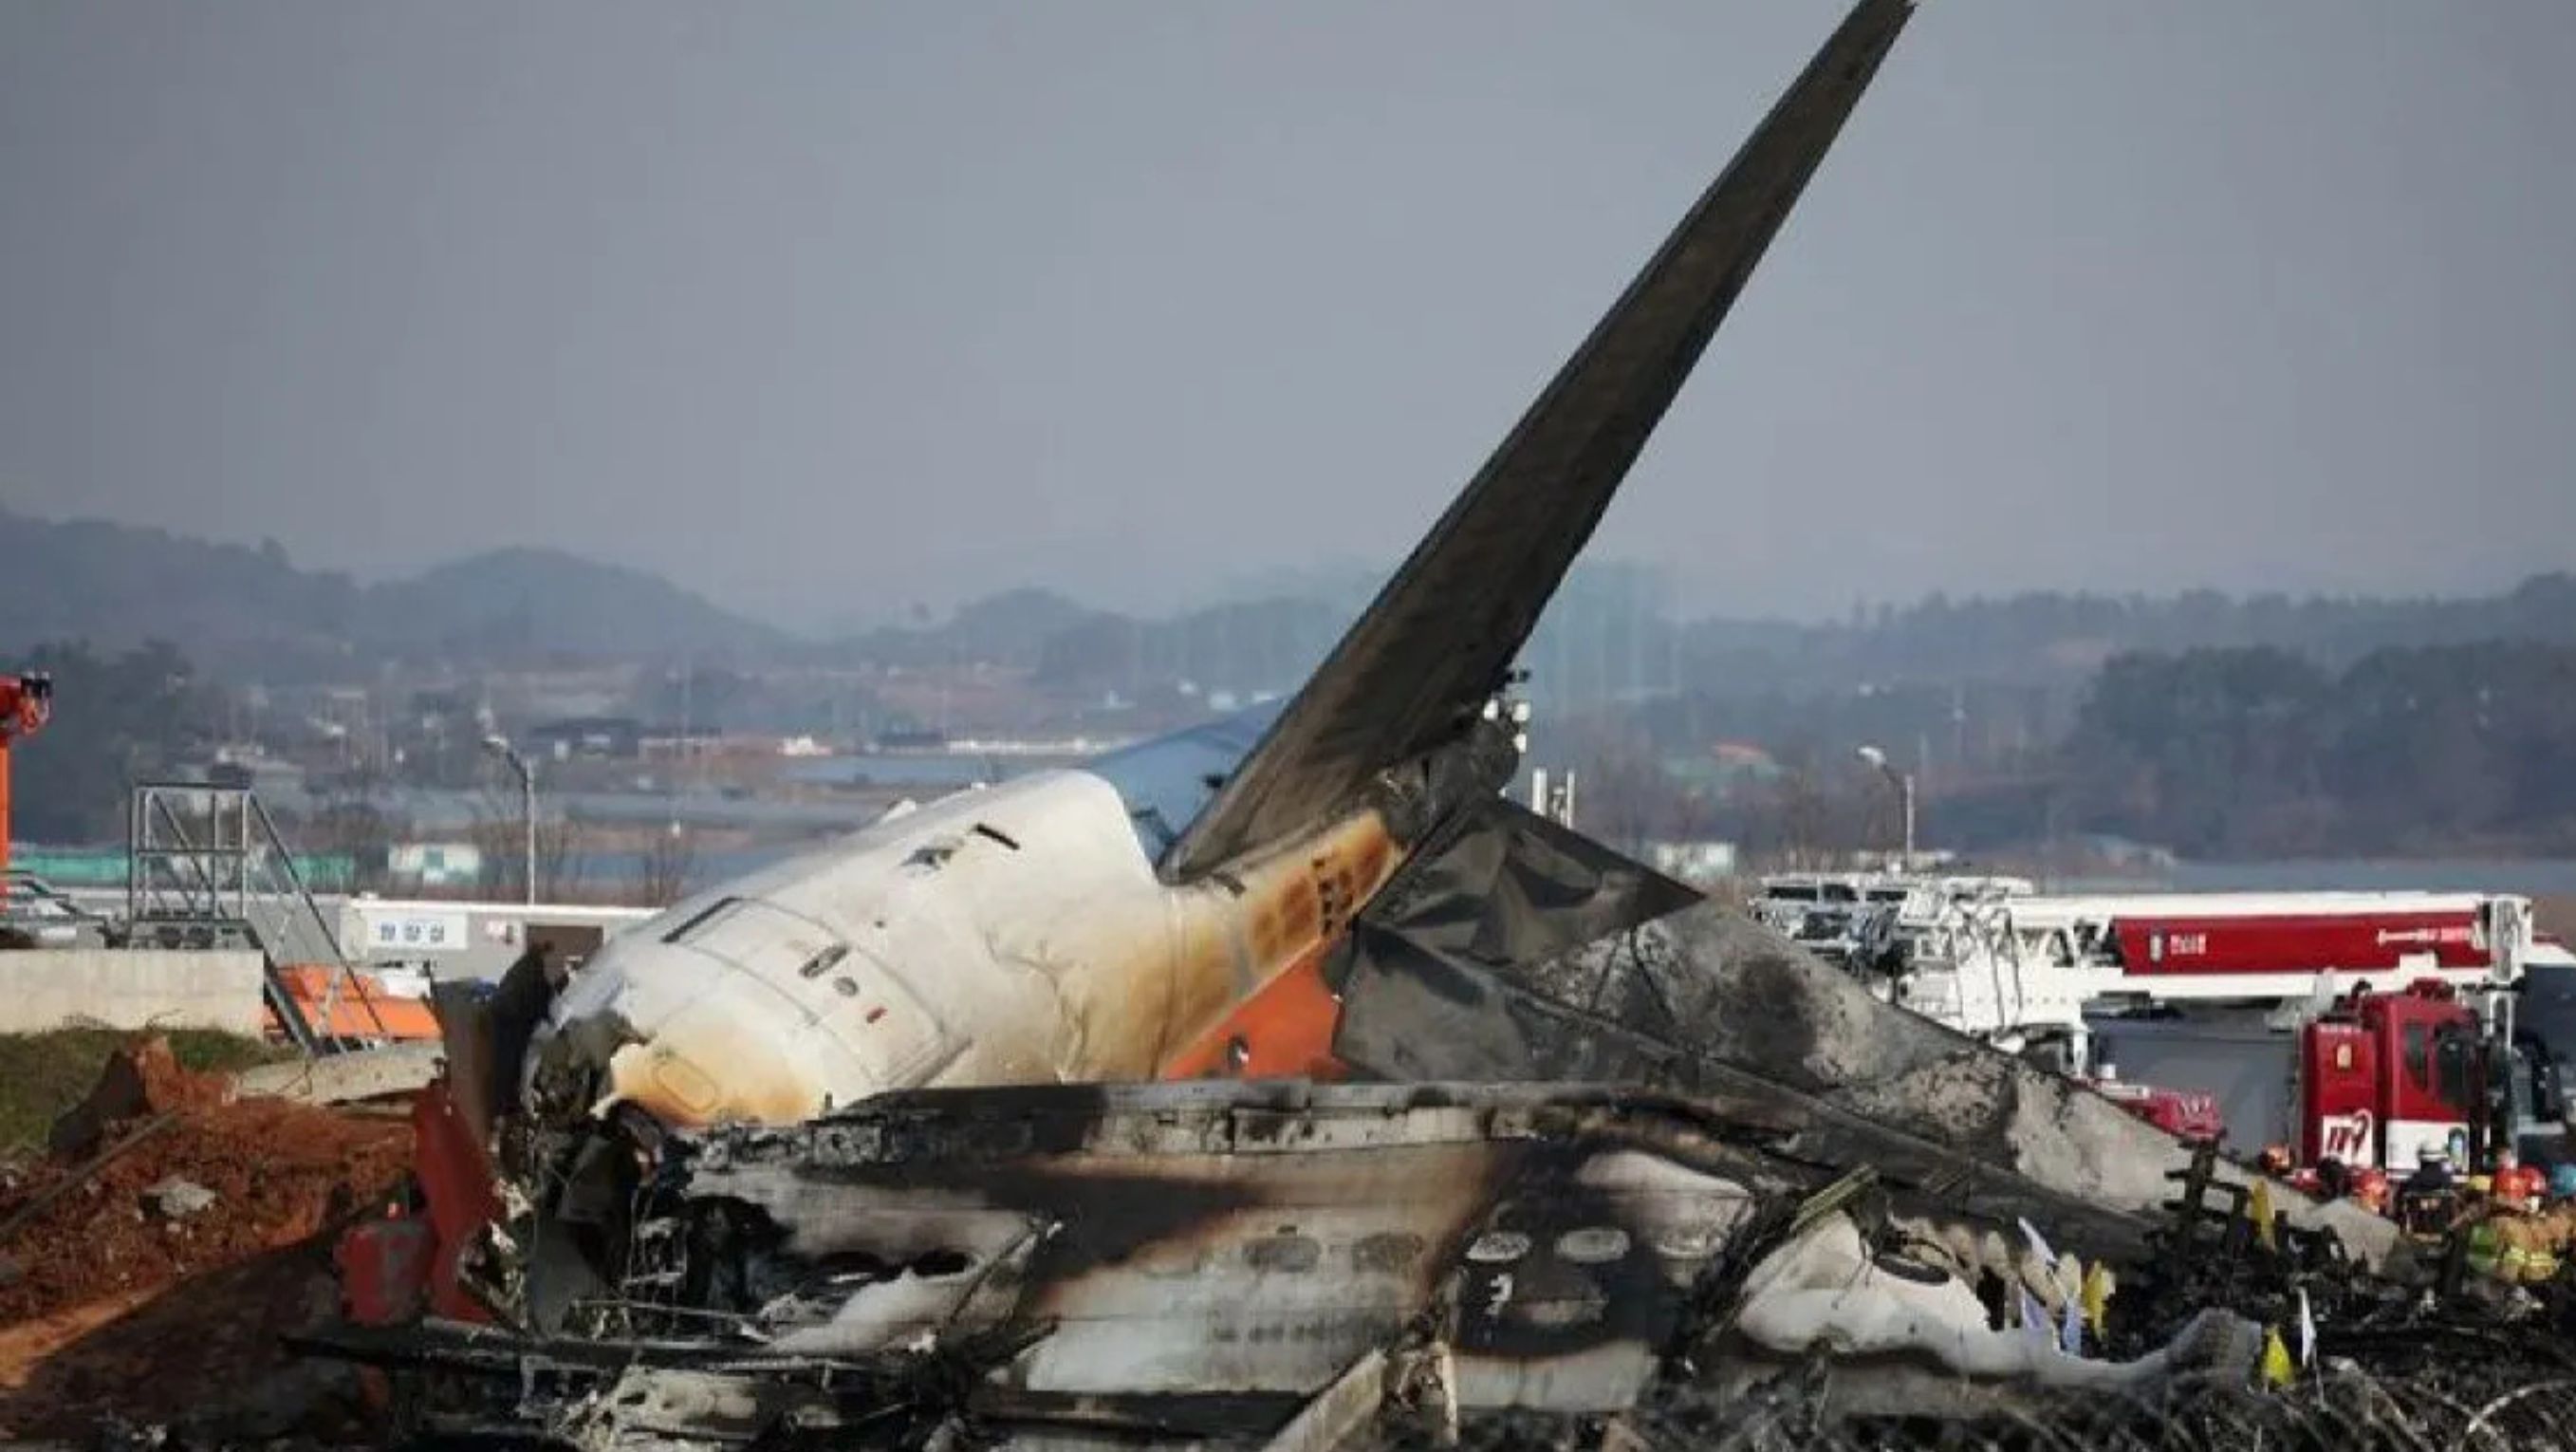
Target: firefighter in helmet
{"type": "Point", "coordinates": [2424, 1201]}
{"type": "Point", "coordinates": [2432, 1172]}
{"type": "Point", "coordinates": [2517, 1185]}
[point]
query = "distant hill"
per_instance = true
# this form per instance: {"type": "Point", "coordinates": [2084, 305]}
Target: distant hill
{"type": "Point", "coordinates": [250, 610]}
{"type": "Point", "coordinates": [1242, 647]}
{"type": "Point", "coordinates": [1607, 640]}
{"type": "Point", "coordinates": [1009, 628]}
{"type": "Point", "coordinates": [542, 602]}
{"type": "Point", "coordinates": [116, 586]}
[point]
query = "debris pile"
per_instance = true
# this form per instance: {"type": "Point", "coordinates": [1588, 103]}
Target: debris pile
{"type": "Point", "coordinates": [168, 1236]}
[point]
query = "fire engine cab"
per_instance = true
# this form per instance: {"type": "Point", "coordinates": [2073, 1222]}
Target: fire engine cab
{"type": "Point", "coordinates": [2384, 1075]}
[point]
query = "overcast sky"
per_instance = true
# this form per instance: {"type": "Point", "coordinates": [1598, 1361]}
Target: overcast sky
{"type": "Point", "coordinates": [826, 308]}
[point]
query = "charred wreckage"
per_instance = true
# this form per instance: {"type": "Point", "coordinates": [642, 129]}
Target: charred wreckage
{"type": "Point", "coordinates": [1282, 1083]}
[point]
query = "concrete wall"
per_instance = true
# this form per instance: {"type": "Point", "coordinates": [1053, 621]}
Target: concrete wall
{"type": "Point", "coordinates": [130, 988]}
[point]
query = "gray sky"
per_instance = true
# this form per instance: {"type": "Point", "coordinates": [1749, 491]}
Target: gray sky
{"type": "Point", "coordinates": [823, 308]}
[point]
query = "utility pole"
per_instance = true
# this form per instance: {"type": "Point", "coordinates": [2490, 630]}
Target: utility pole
{"type": "Point", "coordinates": [500, 746]}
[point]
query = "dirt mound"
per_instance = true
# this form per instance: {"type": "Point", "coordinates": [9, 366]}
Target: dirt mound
{"type": "Point", "coordinates": [114, 1231]}
{"type": "Point", "coordinates": [141, 1079]}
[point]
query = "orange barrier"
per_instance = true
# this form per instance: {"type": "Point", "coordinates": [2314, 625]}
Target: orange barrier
{"type": "Point", "coordinates": [361, 1010]}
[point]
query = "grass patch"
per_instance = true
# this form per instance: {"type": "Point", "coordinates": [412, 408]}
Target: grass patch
{"type": "Point", "coordinates": [41, 1075]}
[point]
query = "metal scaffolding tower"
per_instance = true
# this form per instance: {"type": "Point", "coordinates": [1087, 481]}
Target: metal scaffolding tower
{"type": "Point", "coordinates": [207, 868]}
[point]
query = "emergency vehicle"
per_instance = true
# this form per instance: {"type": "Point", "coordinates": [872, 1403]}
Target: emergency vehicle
{"type": "Point", "coordinates": [2033, 971]}
{"type": "Point", "coordinates": [2384, 1076]}
{"type": "Point", "coordinates": [2337, 1003]}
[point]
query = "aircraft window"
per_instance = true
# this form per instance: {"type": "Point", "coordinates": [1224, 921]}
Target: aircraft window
{"type": "Point", "coordinates": [1791, 894]}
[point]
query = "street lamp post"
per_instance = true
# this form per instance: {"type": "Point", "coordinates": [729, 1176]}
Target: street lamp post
{"type": "Point", "coordinates": [500, 746]}
{"type": "Point", "coordinates": [1904, 796]}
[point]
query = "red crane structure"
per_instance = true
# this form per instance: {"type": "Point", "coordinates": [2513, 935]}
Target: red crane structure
{"type": "Point", "coordinates": [26, 703]}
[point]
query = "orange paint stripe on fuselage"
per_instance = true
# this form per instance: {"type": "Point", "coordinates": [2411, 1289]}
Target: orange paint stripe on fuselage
{"type": "Point", "coordinates": [1285, 1029]}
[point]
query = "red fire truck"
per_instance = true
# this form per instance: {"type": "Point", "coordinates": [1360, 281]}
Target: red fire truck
{"type": "Point", "coordinates": [2214, 994]}
{"type": "Point", "coordinates": [2385, 1075]}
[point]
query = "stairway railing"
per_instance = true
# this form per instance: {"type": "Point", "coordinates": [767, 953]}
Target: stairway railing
{"type": "Point", "coordinates": [207, 864]}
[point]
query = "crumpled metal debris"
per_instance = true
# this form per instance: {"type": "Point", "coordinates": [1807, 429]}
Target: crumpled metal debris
{"type": "Point", "coordinates": [1198, 1261]}
{"type": "Point", "coordinates": [1706, 999]}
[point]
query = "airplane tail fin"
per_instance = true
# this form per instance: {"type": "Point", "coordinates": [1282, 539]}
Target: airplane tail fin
{"type": "Point", "coordinates": [1441, 636]}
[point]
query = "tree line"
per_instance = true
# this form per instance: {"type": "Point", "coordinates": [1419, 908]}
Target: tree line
{"type": "Point", "coordinates": [2259, 752]}
{"type": "Point", "coordinates": [118, 718]}
{"type": "Point", "coordinates": [2217, 752]}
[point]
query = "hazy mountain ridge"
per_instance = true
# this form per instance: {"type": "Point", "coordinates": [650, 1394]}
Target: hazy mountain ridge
{"type": "Point", "coordinates": [251, 610]}
{"type": "Point", "coordinates": [1607, 638]}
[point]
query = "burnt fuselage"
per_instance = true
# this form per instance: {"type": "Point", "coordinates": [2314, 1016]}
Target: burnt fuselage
{"type": "Point", "coordinates": [1015, 934]}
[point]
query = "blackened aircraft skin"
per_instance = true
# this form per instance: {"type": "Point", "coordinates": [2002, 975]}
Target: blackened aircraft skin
{"type": "Point", "coordinates": [1165, 911]}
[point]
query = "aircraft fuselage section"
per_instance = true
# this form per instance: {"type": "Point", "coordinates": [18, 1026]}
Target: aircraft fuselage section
{"type": "Point", "coordinates": [1015, 934]}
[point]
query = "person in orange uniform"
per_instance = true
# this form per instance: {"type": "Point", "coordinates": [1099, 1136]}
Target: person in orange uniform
{"type": "Point", "coordinates": [2516, 1185]}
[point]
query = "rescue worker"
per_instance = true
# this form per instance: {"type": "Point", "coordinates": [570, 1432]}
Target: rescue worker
{"type": "Point", "coordinates": [2424, 1201]}
{"type": "Point", "coordinates": [2274, 1161]}
{"type": "Point", "coordinates": [2517, 1185]}
{"type": "Point", "coordinates": [2508, 1245]}
{"type": "Point", "coordinates": [2559, 1220]}
{"type": "Point", "coordinates": [2432, 1172]}
{"type": "Point", "coordinates": [2334, 1181]}
{"type": "Point", "coordinates": [2370, 1189]}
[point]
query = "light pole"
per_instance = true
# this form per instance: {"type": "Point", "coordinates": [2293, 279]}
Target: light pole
{"type": "Point", "coordinates": [1904, 797]}
{"type": "Point", "coordinates": [500, 746]}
